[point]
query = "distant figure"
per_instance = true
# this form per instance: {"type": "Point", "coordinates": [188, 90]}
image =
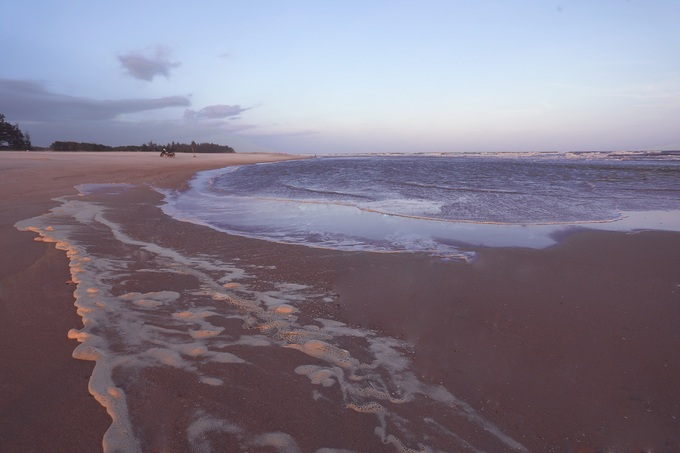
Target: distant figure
{"type": "Point", "coordinates": [164, 153]}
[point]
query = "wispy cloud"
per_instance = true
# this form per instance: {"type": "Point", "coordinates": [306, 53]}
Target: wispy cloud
{"type": "Point", "coordinates": [218, 111]}
{"type": "Point", "coordinates": [651, 91]}
{"type": "Point", "coordinates": [29, 100]}
{"type": "Point", "coordinates": [660, 96]}
{"type": "Point", "coordinates": [146, 67]}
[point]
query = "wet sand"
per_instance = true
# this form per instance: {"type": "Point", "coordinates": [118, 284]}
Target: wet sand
{"type": "Point", "coordinates": [44, 400]}
{"type": "Point", "coordinates": [571, 348]}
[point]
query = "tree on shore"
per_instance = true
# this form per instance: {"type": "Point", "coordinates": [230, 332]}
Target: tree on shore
{"type": "Point", "coordinates": [78, 146]}
{"type": "Point", "coordinates": [11, 136]}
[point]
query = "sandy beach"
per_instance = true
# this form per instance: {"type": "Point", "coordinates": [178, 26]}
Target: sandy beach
{"type": "Point", "coordinates": [569, 348]}
{"type": "Point", "coordinates": [45, 404]}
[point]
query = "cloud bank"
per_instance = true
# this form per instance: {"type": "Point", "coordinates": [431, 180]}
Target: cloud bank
{"type": "Point", "coordinates": [25, 100]}
{"type": "Point", "coordinates": [50, 116]}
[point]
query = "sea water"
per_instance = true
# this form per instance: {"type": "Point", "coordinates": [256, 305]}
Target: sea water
{"type": "Point", "coordinates": [433, 204]}
{"type": "Point", "coordinates": [152, 300]}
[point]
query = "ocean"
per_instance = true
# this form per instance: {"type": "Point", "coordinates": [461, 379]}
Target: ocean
{"type": "Point", "coordinates": [435, 204]}
{"type": "Point", "coordinates": [196, 350]}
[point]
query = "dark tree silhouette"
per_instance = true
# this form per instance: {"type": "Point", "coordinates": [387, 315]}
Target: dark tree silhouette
{"type": "Point", "coordinates": [11, 136]}
{"type": "Point", "coordinates": [150, 146]}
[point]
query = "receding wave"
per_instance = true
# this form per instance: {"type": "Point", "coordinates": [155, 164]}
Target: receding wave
{"type": "Point", "coordinates": [332, 193]}
{"type": "Point", "coordinates": [429, 204]}
{"type": "Point", "coordinates": [460, 189]}
{"type": "Point", "coordinates": [218, 330]}
{"type": "Point", "coordinates": [466, 220]}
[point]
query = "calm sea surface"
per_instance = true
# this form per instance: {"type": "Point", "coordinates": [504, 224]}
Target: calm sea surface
{"type": "Point", "coordinates": [436, 203]}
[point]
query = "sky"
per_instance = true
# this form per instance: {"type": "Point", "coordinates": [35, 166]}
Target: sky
{"type": "Point", "coordinates": [345, 76]}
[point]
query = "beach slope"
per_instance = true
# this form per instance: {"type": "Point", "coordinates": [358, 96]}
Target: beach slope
{"type": "Point", "coordinates": [44, 400]}
{"type": "Point", "coordinates": [573, 347]}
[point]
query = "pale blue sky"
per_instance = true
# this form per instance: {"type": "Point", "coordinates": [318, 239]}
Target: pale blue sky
{"type": "Point", "coordinates": [346, 76]}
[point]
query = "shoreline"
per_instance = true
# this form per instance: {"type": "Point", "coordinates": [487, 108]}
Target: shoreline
{"type": "Point", "coordinates": [44, 390]}
{"type": "Point", "coordinates": [496, 331]}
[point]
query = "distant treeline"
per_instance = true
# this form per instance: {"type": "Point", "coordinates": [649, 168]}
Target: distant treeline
{"type": "Point", "coordinates": [151, 146]}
